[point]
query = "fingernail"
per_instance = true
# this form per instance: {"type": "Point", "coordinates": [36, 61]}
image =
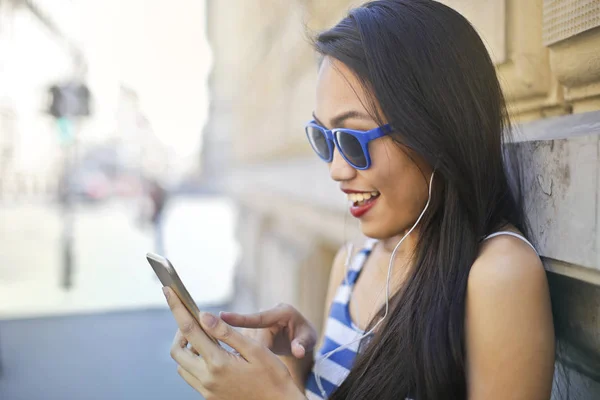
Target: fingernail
{"type": "Point", "coordinates": [300, 351]}
{"type": "Point", "coordinates": [209, 320]}
{"type": "Point", "coordinates": [166, 292]}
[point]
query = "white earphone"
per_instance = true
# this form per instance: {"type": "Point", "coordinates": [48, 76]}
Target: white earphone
{"type": "Point", "coordinates": [387, 291]}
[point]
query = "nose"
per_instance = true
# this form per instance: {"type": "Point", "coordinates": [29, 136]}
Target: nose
{"type": "Point", "coordinates": [339, 169]}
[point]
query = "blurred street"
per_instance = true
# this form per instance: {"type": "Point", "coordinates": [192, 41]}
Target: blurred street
{"type": "Point", "coordinates": [117, 355]}
{"type": "Point", "coordinates": [111, 272]}
{"type": "Point", "coordinates": [109, 335]}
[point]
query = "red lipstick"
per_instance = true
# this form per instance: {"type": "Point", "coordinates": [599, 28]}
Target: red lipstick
{"type": "Point", "coordinates": [359, 211]}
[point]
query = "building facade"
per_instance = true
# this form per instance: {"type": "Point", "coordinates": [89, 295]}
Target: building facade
{"type": "Point", "coordinates": [34, 54]}
{"type": "Point", "coordinates": [293, 219]}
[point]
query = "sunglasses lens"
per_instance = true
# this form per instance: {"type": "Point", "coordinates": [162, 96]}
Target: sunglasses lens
{"type": "Point", "coordinates": [317, 140]}
{"type": "Point", "coordinates": [352, 149]}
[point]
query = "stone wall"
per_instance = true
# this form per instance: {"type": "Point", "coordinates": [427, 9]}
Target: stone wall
{"type": "Point", "coordinates": [293, 217]}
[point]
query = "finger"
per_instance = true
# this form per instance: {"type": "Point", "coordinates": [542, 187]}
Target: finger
{"type": "Point", "coordinates": [219, 329]}
{"type": "Point", "coordinates": [192, 381]}
{"type": "Point", "coordinates": [185, 343]}
{"type": "Point", "coordinates": [190, 328]}
{"type": "Point", "coordinates": [298, 350]}
{"type": "Point", "coordinates": [264, 319]}
{"type": "Point", "coordinates": [186, 357]}
{"type": "Point", "coordinates": [261, 336]}
{"type": "Point", "coordinates": [304, 341]}
{"type": "Point", "coordinates": [251, 333]}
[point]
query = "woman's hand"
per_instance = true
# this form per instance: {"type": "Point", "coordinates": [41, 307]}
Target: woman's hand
{"type": "Point", "coordinates": [285, 332]}
{"type": "Point", "coordinates": [256, 373]}
{"type": "Point", "coordinates": [282, 329]}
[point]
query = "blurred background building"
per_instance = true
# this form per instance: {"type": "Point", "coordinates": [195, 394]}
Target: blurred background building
{"type": "Point", "coordinates": [293, 219]}
{"type": "Point", "coordinates": [33, 54]}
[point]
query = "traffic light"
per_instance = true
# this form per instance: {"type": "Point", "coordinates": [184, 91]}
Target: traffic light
{"type": "Point", "coordinates": [69, 100]}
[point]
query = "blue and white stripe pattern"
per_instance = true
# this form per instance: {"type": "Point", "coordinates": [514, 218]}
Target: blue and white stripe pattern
{"type": "Point", "coordinates": [339, 331]}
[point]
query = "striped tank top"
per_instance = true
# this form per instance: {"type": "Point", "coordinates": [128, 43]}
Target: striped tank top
{"type": "Point", "coordinates": [340, 330]}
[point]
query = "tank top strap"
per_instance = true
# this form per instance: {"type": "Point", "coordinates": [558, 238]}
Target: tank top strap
{"type": "Point", "coordinates": [356, 262]}
{"type": "Point", "coordinates": [513, 234]}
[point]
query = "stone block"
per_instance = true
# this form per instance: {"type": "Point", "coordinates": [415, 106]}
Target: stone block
{"type": "Point", "coordinates": [576, 320]}
{"type": "Point", "coordinates": [561, 177]}
{"type": "Point", "coordinates": [560, 157]}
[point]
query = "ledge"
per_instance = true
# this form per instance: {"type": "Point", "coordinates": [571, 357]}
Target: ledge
{"type": "Point", "coordinates": [562, 127]}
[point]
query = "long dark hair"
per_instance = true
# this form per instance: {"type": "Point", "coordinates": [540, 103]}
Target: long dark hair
{"type": "Point", "coordinates": [430, 73]}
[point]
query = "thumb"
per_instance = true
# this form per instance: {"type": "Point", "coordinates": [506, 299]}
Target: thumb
{"type": "Point", "coordinates": [303, 342]}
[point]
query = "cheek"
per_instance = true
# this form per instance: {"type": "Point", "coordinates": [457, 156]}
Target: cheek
{"type": "Point", "coordinates": [400, 181]}
{"type": "Point", "coordinates": [391, 168]}
{"type": "Point", "coordinates": [400, 199]}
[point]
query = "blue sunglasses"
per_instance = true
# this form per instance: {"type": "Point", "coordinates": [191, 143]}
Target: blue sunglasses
{"type": "Point", "coordinates": [353, 145]}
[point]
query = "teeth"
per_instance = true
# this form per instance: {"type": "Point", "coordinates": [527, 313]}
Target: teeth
{"type": "Point", "coordinates": [360, 197]}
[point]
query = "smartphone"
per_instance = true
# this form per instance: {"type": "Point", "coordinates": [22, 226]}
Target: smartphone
{"type": "Point", "coordinates": [167, 275]}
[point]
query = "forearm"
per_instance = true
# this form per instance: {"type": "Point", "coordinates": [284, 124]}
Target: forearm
{"type": "Point", "coordinates": [299, 369]}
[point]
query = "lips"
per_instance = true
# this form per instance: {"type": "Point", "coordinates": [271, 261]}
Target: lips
{"type": "Point", "coordinates": [358, 209]}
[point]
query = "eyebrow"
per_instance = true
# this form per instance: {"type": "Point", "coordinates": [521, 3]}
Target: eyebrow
{"type": "Point", "coordinates": [339, 120]}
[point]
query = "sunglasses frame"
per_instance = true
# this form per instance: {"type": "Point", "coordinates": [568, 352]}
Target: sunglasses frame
{"type": "Point", "coordinates": [363, 137]}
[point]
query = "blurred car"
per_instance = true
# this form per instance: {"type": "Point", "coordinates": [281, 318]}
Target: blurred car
{"type": "Point", "coordinates": [127, 186]}
{"type": "Point", "coordinates": [90, 185]}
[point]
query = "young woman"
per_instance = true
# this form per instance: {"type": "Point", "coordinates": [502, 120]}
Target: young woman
{"type": "Point", "coordinates": [448, 299]}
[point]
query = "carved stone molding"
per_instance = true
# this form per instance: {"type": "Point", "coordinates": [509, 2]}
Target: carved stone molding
{"type": "Point", "coordinates": [526, 78]}
{"type": "Point", "coordinates": [572, 33]}
{"type": "Point", "coordinates": [564, 19]}
{"type": "Point", "coordinates": [512, 31]}
{"type": "Point", "coordinates": [576, 64]}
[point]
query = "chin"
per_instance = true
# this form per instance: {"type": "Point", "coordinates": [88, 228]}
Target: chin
{"type": "Point", "coordinates": [374, 230]}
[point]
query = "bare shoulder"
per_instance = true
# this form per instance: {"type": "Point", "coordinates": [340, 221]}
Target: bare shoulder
{"type": "Point", "coordinates": [509, 328]}
{"type": "Point", "coordinates": [507, 275]}
{"type": "Point", "coordinates": [506, 264]}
